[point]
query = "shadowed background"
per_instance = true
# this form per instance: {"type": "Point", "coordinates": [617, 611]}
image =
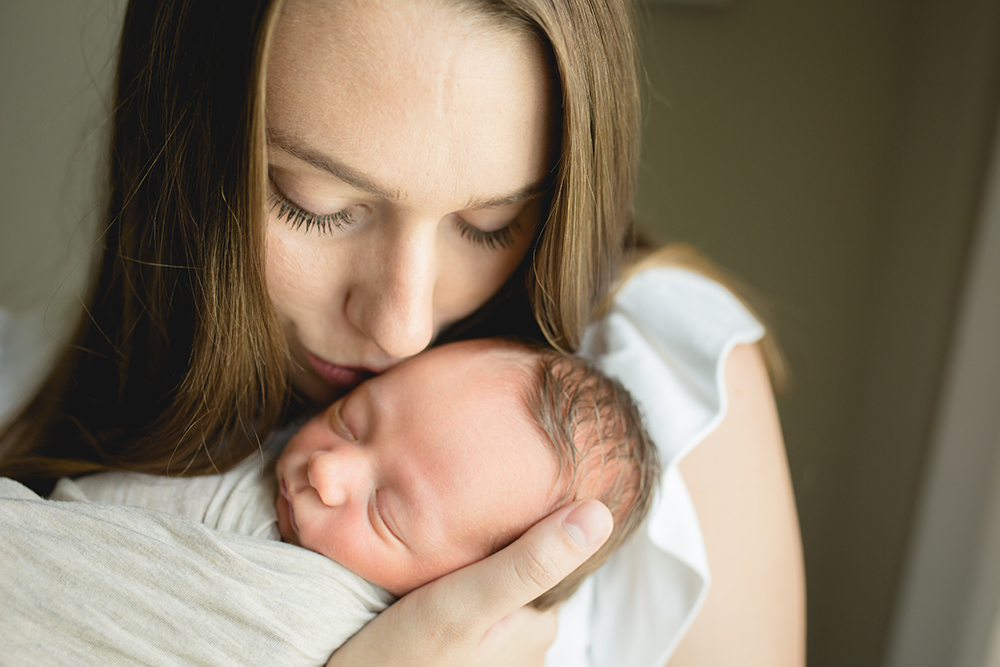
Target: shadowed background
{"type": "Point", "coordinates": [831, 155]}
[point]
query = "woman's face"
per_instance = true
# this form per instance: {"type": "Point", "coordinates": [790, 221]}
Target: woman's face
{"type": "Point", "coordinates": [407, 148]}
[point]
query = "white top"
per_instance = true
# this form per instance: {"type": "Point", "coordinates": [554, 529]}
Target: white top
{"type": "Point", "coordinates": [666, 340]}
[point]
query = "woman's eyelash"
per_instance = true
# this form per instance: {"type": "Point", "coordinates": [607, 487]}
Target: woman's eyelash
{"type": "Point", "coordinates": [500, 239]}
{"type": "Point", "coordinates": [299, 218]}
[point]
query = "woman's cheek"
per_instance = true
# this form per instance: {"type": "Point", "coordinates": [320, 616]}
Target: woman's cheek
{"type": "Point", "coordinates": [277, 261]}
{"type": "Point", "coordinates": [470, 278]}
{"type": "Point", "coordinates": [293, 270]}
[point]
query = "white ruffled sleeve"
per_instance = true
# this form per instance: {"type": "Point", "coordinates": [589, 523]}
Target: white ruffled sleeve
{"type": "Point", "coordinates": [666, 339]}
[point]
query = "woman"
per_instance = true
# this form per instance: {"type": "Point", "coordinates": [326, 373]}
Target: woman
{"type": "Point", "coordinates": [306, 192]}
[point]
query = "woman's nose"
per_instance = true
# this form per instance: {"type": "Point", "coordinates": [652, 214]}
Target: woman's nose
{"type": "Point", "coordinates": [337, 475]}
{"type": "Point", "coordinates": [394, 306]}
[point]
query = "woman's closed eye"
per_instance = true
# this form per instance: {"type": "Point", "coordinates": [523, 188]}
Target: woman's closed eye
{"type": "Point", "coordinates": [299, 218]}
{"type": "Point", "coordinates": [499, 239]}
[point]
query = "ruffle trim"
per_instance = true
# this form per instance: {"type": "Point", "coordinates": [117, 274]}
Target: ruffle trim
{"type": "Point", "coordinates": [666, 339]}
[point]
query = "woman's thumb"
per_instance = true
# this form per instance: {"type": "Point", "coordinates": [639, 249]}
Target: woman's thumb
{"type": "Point", "coordinates": [543, 556]}
{"type": "Point", "coordinates": [589, 523]}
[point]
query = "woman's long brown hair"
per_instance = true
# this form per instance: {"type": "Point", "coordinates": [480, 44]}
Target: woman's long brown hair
{"type": "Point", "coordinates": [178, 365]}
{"type": "Point", "coordinates": [171, 369]}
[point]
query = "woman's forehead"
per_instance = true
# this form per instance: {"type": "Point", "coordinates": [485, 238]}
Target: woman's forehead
{"type": "Point", "coordinates": [420, 98]}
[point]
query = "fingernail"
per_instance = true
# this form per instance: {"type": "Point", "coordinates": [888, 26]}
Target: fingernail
{"type": "Point", "coordinates": [587, 523]}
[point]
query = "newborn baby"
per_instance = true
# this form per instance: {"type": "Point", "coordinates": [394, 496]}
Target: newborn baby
{"type": "Point", "coordinates": [431, 466]}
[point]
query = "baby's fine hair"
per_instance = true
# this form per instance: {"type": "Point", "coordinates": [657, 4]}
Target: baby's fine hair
{"type": "Point", "coordinates": [602, 449]}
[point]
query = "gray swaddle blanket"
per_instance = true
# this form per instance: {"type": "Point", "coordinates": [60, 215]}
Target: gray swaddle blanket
{"type": "Point", "coordinates": [98, 584]}
{"type": "Point", "coordinates": [239, 501]}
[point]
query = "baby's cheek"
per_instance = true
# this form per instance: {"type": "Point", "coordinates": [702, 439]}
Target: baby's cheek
{"type": "Point", "coordinates": [352, 550]}
{"type": "Point", "coordinates": [389, 573]}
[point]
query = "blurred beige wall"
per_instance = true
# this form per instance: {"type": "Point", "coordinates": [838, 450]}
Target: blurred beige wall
{"type": "Point", "coordinates": [55, 70]}
{"type": "Point", "coordinates": [830, 155]}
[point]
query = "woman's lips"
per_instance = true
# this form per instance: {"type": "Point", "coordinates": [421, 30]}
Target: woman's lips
{"type": "Point", "coordinates": [338, 376]}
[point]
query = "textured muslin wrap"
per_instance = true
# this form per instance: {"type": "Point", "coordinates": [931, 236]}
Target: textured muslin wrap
{"type": "Point", "coordinates": [94, 584]}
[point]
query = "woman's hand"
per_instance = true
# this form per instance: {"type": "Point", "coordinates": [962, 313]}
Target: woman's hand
{"type": "Point", "coordinates": [475, 616]}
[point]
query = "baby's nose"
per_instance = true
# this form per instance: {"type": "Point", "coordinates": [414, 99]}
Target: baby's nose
{"type": "Point", "coordinates": [329, 475]}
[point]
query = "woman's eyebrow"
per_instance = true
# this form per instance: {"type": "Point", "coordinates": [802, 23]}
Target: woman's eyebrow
{"type": "Point", "coordinates": [326, 163]}
{"type": "Point", "coordinates": [366, 184]}
{"type": "Point", "coordinates": [524, 193]}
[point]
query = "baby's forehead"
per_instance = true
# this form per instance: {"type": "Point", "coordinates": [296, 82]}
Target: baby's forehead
{"type": "Point", "coordinates": [497, 348]}
{"type": "Point", "coordinates": [515, 369]}
{"type": "Point", "coordinates": [521, 362]}
{"type": "Point", "coordinates": [510, 371]}
{"type": "Point", "coordinates": [503, 363]}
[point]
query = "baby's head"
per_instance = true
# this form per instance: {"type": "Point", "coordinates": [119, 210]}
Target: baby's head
{"type": "Point", "coordinates": [453, 454]}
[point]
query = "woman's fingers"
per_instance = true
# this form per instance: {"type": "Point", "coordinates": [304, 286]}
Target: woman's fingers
{"type": "Point", "coordinates": [520, 639]}
{"type": "Point", "coordinates": [536, 562]}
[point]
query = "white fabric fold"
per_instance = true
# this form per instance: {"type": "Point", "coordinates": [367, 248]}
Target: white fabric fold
{"type": "Point", "coordinates": [666, 339]}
